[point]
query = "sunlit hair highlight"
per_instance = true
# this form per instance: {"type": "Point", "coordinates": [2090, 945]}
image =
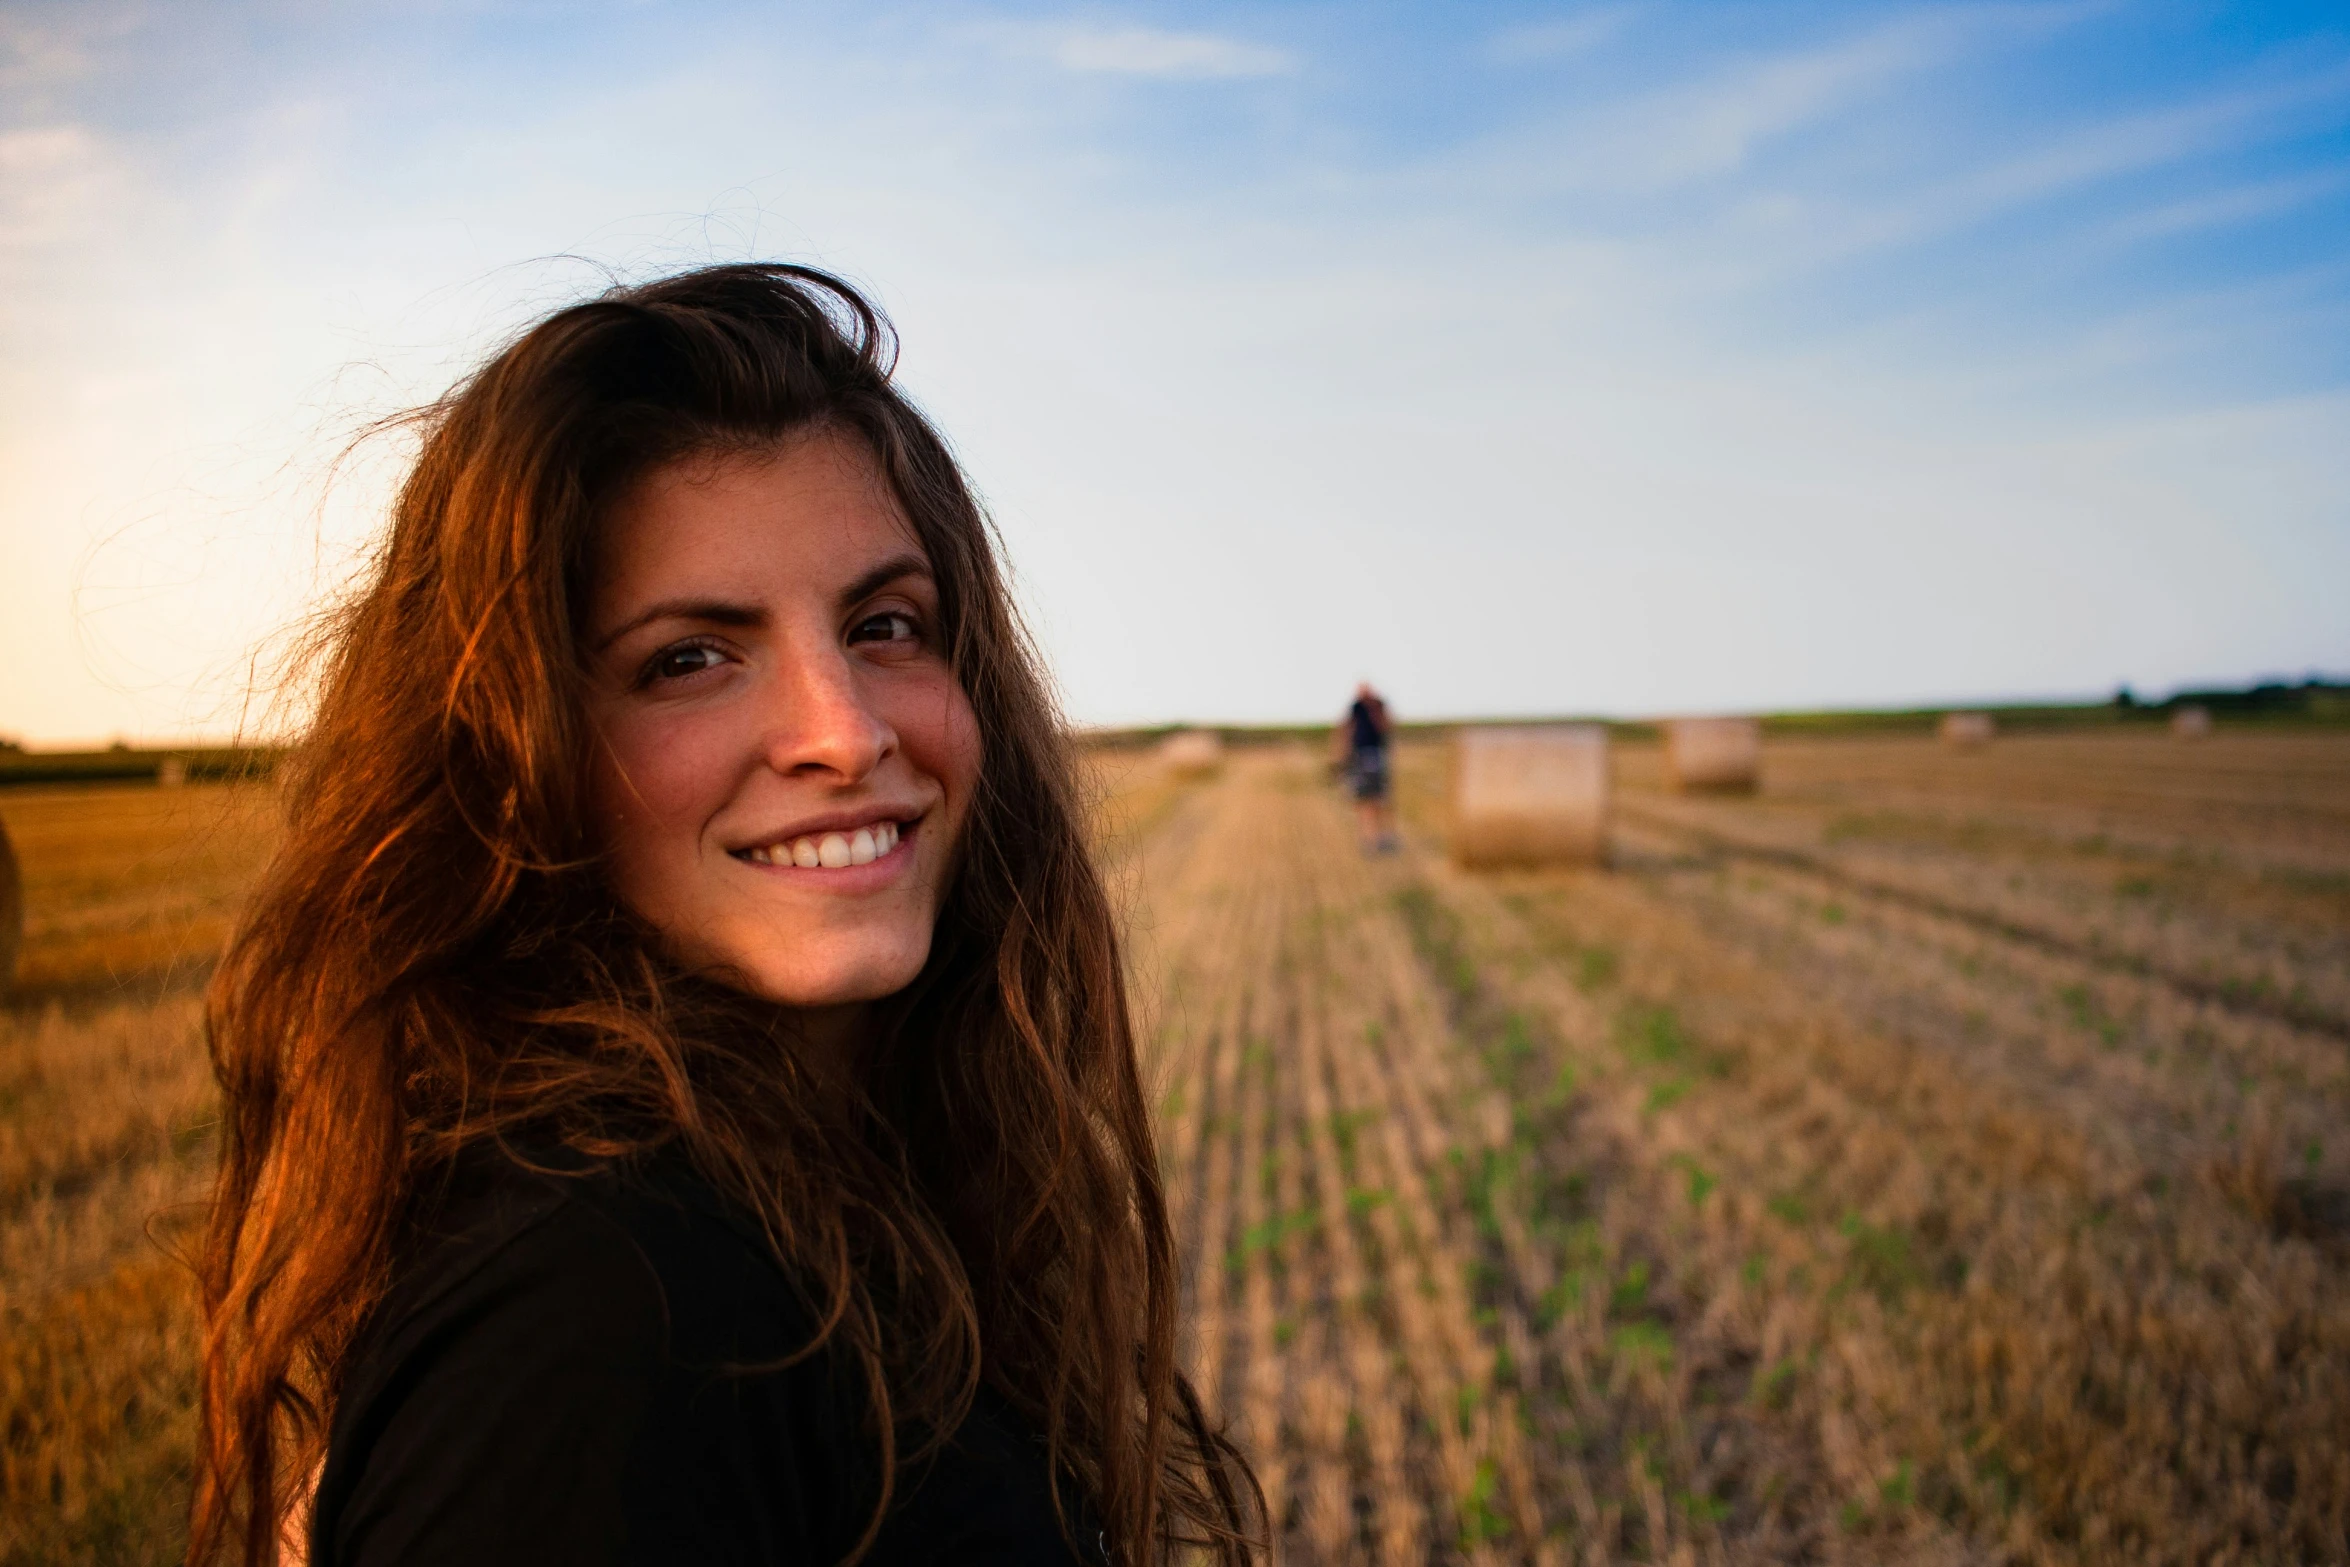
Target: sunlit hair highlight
{"type": "Point", "coordinates": [434, 961]}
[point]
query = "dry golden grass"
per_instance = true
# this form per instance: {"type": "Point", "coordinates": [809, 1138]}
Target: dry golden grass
{"type": "Point", "coordinates": [1783, 1193]}
{"type": "Point", "coordinates": [131, 885]}
{"type": "Point", "coordinates": [99, 1385]}
{"type": "Point", "coordinates": [1936, 1157]}
{"type": "Point", "coordinates": [1129, 793]}
{"type": "Point", "coordinates": [105, 1110]}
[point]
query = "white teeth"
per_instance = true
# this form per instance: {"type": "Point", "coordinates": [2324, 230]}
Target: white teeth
{"type": "Point", "coordinates": [832, 850]}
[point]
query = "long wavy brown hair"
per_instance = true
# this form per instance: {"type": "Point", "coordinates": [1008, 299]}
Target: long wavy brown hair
{"type": "Point", "coordinates": [434, 962]}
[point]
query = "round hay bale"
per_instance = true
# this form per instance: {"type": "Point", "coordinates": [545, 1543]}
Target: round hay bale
{"type": "Point", "coordinates": [172, 773]}
{"type": "Point", "coordinates": [1192, 753]}
{"type": "Point", "coordinates": [1967, 729]}
{"type": "Point", "coordinates": [11, 911]}
{"type": "Point", "coordinates": [2191, 722]}
{"type": "Point", "coordinates": [1529, 795]}
{"type": "Point", "coordinates": [1713, 755]}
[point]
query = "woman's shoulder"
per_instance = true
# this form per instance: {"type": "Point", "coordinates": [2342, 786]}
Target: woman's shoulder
{"type": "Point", "coordinates": [644, 1257]}
{"type": "Point", "coordinates": [583, 1365]}
{"type": "Point", "coordinates": [557, 1366]}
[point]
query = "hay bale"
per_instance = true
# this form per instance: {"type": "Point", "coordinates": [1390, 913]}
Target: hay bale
{"type": "Point", "coordinates": [11, 911]}
{"type": "Point", "coordinates": [1967, 729]}
{"type": "Point", "coordinates": [1529, 795]}
{"type": "Point", "coordinates": [173, 772]}
{"type": "Point", "coordinates": [1713, 755]}
{"type": "Point", "coordinates": [2191, 722]}
{"type": "Point", "coordinates": [1192, 753]}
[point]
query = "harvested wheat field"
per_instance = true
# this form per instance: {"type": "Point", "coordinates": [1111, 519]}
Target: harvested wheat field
{"type": "Point", "coordinates": [1939, 1156]}
{"type": "Point", "coordinates": [1935, 1158]}
{"type": "Point", "coordinates": [106, 1105]}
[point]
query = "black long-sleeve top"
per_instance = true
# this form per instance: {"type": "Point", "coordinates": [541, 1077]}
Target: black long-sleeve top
{"type": "Point", "coordinates": [555, 1377]}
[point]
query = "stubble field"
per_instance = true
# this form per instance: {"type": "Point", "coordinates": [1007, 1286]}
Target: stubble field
{"type": "Point", "coordinates": [106, 1105]}
{"type": "Point", "coordinates": [1940, 1157]}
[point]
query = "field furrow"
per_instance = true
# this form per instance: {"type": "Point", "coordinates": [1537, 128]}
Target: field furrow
{"type": "Point", "coordinates": [2294, 975]}
{"type": "Point", "coordinates": [1960, 1291]}
{"type": "Point", "coordinates": [2133, 1061]}
{"type": "Point", "coordinates": [2223, 869]}
{"type": "Point", "coordinates": [2080, 1260]}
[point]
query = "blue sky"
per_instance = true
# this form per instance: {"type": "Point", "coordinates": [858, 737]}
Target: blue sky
{"type": "Point", "coordinates": [1626, 358]}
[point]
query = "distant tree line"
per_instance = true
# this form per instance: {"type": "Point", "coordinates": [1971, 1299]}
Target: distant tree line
{"type": "Point", "coordinates": [2312, 698]}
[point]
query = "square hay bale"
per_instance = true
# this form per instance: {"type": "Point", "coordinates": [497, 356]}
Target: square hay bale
{"type": "Point", "coordinates": [1192, 753]}
{"type": "Point", "coordinates": [1967, 729]}
{"type": "Point", "coordinates": [1713, 755]}
{"type": "Point", "coordinates": [2191, 722]}
{"type": "Point", "coordinates": [1530, 795]}
{"type": "Point", "coordinates": [11, 910]}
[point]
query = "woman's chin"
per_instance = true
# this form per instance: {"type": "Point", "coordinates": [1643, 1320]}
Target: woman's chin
{"type": "Point", "coordinates": [851, 980]}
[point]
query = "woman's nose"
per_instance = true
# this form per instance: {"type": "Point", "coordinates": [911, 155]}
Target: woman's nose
{"type": "Point", "coordinates": [823, 722]}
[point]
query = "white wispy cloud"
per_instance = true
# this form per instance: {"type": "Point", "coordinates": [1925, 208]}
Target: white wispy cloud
{"type": "Point", "coordinates": [52, 178]}
{"type": "Point", "coordinates": [1715, 124]}
{"type": "Point", "coordinates": [1156, 52]}
{"type": "Point", "coordinates": [1791, 236]}
{"type": "Point", "coordinates": [2221, 209]}
{"type": "Point", "coordinates": [39, 53]}
{"type": "Point", "coordinates": [2128, 143]}
{"type": "Point", "coordinates": [1560, 40]}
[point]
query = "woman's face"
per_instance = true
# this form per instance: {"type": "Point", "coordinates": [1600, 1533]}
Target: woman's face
{"type": "Point", "coordinates": [785, 757]}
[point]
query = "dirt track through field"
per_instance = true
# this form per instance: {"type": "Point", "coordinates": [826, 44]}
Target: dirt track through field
{"type": "Point", "coordinates": [1646, 1215]}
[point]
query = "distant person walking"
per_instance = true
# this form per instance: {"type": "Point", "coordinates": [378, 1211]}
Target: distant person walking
{"type": "Point", "coordinates": [1365, 733]}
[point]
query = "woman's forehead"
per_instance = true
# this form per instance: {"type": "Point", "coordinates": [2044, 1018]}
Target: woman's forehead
{"type": "Point", "coordinates": [814, 512]}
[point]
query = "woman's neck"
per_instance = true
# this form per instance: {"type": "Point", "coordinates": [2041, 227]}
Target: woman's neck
{"type": "Point", "coordinates": [827, 1037]}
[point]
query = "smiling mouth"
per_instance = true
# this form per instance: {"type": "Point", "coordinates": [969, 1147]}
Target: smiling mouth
{"type": "Point", "coordinates": [828, 851]}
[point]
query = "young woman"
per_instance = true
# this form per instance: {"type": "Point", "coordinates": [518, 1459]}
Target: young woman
{"type": "Point", "coordinates": [681, 1102]}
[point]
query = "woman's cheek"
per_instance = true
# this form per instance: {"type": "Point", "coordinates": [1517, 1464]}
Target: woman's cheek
{"type": "Point", "coordinates": [652, 777]}
{"type": "Point", "coordinates": [952, 746]}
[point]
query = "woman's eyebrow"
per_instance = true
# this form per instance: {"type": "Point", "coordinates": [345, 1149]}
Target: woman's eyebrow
{"type": "Point", "coordinates": [881, 576]}
{"type": "Point", "coordinates": [720, 612]}
{"type": "Point", "coordinates": [717, 612]}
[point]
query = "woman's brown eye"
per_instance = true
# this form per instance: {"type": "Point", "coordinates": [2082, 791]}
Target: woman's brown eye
{"type": "Point", "coordinates": [678, 662]}
{"type": "Point", "coordinates": [883, 628]}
